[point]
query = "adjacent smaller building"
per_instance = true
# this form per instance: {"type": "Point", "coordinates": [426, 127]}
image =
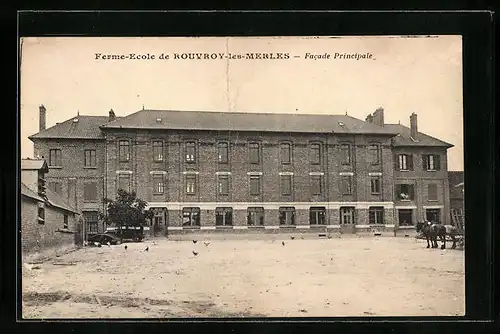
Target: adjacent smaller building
{"type": "Point", "coordinates": [48, 224]}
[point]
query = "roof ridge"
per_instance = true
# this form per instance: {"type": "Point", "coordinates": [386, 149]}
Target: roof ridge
{"type": "Point", "coordinates": [242, 112]}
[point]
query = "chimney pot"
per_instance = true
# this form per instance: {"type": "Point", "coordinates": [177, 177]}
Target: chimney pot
{"type": "Point", "coordinates": [378, 116]}
{"type": "Point", "coordinates": [42, 118]}
{"type": "Point", "coordinates": [413, 126]}
{"type": "Point", "coordinates": [112, 116]}
{"type": "Point", "coordinates": [369, 118]}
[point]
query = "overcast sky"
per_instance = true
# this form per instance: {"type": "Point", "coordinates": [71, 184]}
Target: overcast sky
{"type": "Point", "coordinates": [404, 75]}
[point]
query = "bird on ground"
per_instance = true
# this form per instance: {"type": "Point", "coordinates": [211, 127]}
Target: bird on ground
{"type": "Point", "coordinates": [292, 237]}
{"type": "Point", "coordinates": [125, 247]}
{"type": "Point", "coordinates": [195, 253]}
{"type": "Point", "coordinates": [283, 243]}
{"type": "Point", "coordinates": [195, 241]}
{"type": "Point", "coordinates": [206, 243]}
{"type": "Point", "coordinates": [147, 249]}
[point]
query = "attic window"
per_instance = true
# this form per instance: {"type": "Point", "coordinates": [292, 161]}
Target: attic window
{"type": "Point", "coordinates": [158, 120]}
{"type": "Point", "coordinates": [341, 124]}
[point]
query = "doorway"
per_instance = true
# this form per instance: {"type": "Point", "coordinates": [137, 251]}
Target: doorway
{"type": "Point", "coordinates": [405, 217]}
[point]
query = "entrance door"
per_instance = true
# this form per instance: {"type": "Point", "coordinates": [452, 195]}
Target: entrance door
{"type": "Point", "coordinates": [433, 215]}
{"type": "Point", "coordinates": [405, 217]}
{"type": "Point", "coordinates": [347, 223]}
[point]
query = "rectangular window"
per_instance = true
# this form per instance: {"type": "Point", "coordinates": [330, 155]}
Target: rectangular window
{"type": "Point", "coordinates": [55, 158]}
{"type": "Point", "coordinates": [285, 153]}
{"type": "Point", "coordinates": [315, 154]}
{"type": "Point", "coordinates": [56, 187]}
{"type": "Point", "coordinates": [317, 215]}
{"type": "Point", "coordinates": [287, 215]}
{"type": "Point", "coordinates": [405, 192]}
{"type": "Point", "coordinates": [41, 214]}
{"type": "Point", "coordinates": [191, 217]}
{"type": "Point", "coordinates": [91, 220]}
{"type": "Point", "coordinates": [347, 215]}
{"type": "Point", "coordinates": [124, 150]}
{"type": "Point", "coordinates": [345, 154]}
{"type": "Point", "coordinates": [190, 152]}
{"type": "Point", "coordinates": [432, 194]}
{"type": "Point", "coordinates": [90, 192]}
{"type": "Point", "coordinates": [191, 184]}
{"type": "Point", "coordinates": [431, 162]}
{"type": "Point", "coordinates": [433, 215]}
{"type": "Point", "coordinates": [286, 184]}
{"type": "Point", "coordinates": [374, 154]}
{"type": "Point", "coordinates": [90, 158]}
{"type": "Point", "coordinates": [223, 216]}
{"type": "Point", "coordinates": [375, 184]}
{"type": "Point", "coordinates": [158, 184]}
{"type": "Point", "coordinates": [223, 153]}
{"type": "Point", "coordinates": [157, 151]}
{"type": "Point", "coordinates": [65, 222]}
{"type": "Point", "coordinates": [316, 186]}
{"type": "Point", "coordinates": [124, 182]}
{"type": "Point", "coordinates": [347, 184]}
{"type": "Point", "coordinates": [254, 185]}
{"type": "Point", "coordinates": [255, 216]}
{"type": "Point", "coordinates": [376, 215]}
{"type": "Point", "coordinates": [405, 162]}
{"type": "Point", "coordinates": [254, 153]}
{"type": "Point", "coordinates": [223, 186]}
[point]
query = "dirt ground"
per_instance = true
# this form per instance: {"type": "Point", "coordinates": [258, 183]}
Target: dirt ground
{"type": "Point", "coordinates": [348, 276]}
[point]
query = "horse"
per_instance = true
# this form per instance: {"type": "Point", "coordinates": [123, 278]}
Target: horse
{"type": "Point", "coordinates": [432, 231]}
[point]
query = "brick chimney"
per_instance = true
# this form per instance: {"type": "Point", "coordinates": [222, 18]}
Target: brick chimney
{"type": "Point", "coordinates": [112, 116]}
{"type": "Point", "coordinates": [413, 126]}
{"type": "Point", "coordinates": [369, 118]}
{"type": "Point", "coordinates": [378, 116]}
{"type": "Point", "coordinates": [42, 117]}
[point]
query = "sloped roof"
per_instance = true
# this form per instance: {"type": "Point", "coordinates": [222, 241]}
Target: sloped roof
{"type": "Point", "coordinates": [239, 121]}
{"type": "Point", "coordinates": [87, 127]}
{"type": "Point", "coordinates": [404, 137]}
{"type": "Point", "coordinates": [34, 164]}
{"type": "Point", "coordinates": [57, 201]}
{"type": "Point", "coordinates": [26, 191]}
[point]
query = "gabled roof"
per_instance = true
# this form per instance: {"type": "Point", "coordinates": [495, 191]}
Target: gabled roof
{"type": "Point", "coordinates": [87, 127]}
{"type": "Point", "coordinates": [57, 201]}
{"type": "Point", "coordinates": [404, 138]}
{"type": "Point", "coordinates": [26, 191]}
{"type": "Point", "coordinates": [34, 164]}
{"type": "Point", "coordinates": [240, 121]}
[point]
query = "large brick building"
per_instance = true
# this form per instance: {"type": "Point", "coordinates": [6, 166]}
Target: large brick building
{"type": "Point", "coordinates": [211, 170]}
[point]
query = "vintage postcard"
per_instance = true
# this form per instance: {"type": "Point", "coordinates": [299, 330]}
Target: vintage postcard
{"type": "Point", "coordinates": [237, 177]}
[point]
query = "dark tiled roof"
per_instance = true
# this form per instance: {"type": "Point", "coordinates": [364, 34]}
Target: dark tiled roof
{"type": "Point", "coordinates": [57, 201]}
{"type": "Point", "coordinates": [404, 138]}
{"type": "Point", "coordinates": [87, 127]}
{"type": "Point", "coordinates": [34, 164]}
{"type": "Point", "coordinates": [239, 121]}
{"type": "Point", "coordinates": [26, 191]}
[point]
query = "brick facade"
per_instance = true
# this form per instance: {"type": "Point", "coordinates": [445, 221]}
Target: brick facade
{"type": "Point", "coordinates": [206, 169]}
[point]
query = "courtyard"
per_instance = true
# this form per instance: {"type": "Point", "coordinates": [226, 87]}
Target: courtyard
{"type": "Point", "coordinates": [258, 277]}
